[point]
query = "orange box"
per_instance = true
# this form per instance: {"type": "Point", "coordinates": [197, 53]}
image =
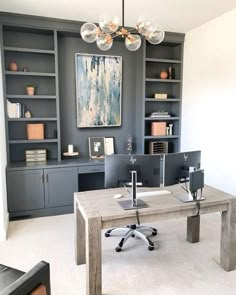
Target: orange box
{"type": "Point", "coordinates": [158, 128]}
{"type": "Point", "coordinates": [35, 131]}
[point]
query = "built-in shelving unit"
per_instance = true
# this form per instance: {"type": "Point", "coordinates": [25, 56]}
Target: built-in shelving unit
{"type": "Point", "coordinates": [158, 58]}
{"type": "Point", "coordinates": [44, 50]}
{"type": "Point", "coordinates": [35, 53]}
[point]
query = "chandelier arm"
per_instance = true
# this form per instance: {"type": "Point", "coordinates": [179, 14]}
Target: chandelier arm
{"type": "Point", "coordinates": [134, 30]}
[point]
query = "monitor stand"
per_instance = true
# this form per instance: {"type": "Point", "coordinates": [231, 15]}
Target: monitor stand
{"type": "Point", "coordinates": [188, 197]}
{"type": "Point", "coordinates": [133, 203]}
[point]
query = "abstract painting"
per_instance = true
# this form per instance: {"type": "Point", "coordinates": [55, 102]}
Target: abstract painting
{"type": "Point", "coordinates": [98, 90]}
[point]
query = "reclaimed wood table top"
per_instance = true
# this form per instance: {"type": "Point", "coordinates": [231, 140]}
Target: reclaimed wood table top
{"type": "Point", "coordinates": [103, 202]}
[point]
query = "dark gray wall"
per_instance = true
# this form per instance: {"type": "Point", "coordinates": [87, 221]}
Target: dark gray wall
{"type": "Point", "coordinates": [68, 46]}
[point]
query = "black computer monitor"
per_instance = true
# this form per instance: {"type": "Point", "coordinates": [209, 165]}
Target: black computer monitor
{"type": "Point", "coordinates": [176, 166]}
{"type": "Point", "coordinates": [118, 169]}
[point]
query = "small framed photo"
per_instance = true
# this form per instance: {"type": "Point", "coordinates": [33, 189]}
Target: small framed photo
{"type": "Point", "coordinates": [96, 147]}
{"type": "Point", "coordinates": [109, 145]}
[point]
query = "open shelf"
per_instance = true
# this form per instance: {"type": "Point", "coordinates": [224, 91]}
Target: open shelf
{"type": "Point", "coordinates": [22, 96]}
{"type": "Point", "coordinates": [162, 119]}
{"type": "Point", "coordinates": [30, 74]}
{"type": "Point", "coordinates": [28, 50]}
{"type": "Point", "coordinates": [33, 141]}
{"type": "Point", "coordinates": [149, 137]}
{"type": "Point", "coordinates": [162, 80]}
{"type": "Point", "coordinates": [162, 100]}
{"type": "Point", "coordinates": [31, 119]}
{"type": "Point", "coordinates": [162, 60]}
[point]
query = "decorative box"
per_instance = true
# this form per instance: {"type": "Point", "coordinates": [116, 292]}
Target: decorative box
{"type": "Point", "coordinates": [160, 95]}
{"type": "Point", "coordinates": [158, 128]}
{"type": "Point", "coordinates": [35, 131]}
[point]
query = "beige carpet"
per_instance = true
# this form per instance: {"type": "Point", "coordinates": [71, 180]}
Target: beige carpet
{"type": "Point", "coordinates": [176, 267]}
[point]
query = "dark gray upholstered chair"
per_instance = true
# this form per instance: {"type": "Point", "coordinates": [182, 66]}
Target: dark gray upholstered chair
{"type": "Point", "coordinates": [35, 282]}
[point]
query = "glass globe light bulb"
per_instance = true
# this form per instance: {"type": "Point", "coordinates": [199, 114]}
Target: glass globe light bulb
{"type": "Point", "coordinates": [89, 32]}
{"type": "Point", "coordinates": [156, 36]}
{"type": "Point", "coordinates": [104, 42]}
{"type": "Point", "coordinates": [144, 26]}
{"type": "Point", "coordinates": [107, 25]}
{"type": "Point", "coordinates": [133, 42]}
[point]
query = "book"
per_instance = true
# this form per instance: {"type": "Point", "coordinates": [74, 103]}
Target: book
{"type": "Point", "coordinates": [35, 152]}
{"type": "Point", "coordinates": [14, 109]}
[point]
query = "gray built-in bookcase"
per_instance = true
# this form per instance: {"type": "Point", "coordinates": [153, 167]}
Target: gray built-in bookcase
{"type": "Point", "coordinates": [47, 47]}
{"type": "Point", "coordinates": [157, 58]}
{"type": "Point", "coordinates": [35, 49]}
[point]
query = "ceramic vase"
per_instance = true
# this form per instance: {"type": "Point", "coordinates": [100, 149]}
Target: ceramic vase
{"type": "Point", "coordinates": [30, 90]}
{"type": "Point", "coordinates": [163, 74]}
{"type": "Point", "coordinates": [13, 66]}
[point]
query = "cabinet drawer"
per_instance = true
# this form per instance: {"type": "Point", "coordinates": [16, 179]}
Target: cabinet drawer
{"type": "Point", "coordinates": [91, 169]}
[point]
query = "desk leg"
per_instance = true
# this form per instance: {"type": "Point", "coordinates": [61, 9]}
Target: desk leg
{"type": "Point", "coordinates": [79, 236]}
{"type": "Point", "coordinates": [193, 229]}
{"type": "Point", "coordinates": [228, 238]}
{"type": "Point", "coordinates": [93, 254]}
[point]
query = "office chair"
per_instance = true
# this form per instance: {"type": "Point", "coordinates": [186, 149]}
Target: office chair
{"type": "Point", "coordinates": [34, 282]}
{"type": "Point", "coordinates": [133, 231]}
{"type": "Point", "coordinates": [118, 169]}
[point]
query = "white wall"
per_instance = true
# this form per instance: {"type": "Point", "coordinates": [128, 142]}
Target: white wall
{"type": "Point", "coordinates": [209, 99]}
{"type": "Point", "coordinates": [3, 161]}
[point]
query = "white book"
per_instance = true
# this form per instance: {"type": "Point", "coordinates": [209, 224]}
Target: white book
{"type": "Point", "coordinates": [18, 110]}
{"type": "Point", "coordinates": [11, 110]}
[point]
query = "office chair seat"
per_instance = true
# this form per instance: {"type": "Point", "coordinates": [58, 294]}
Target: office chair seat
{"type": "Point", "coordinates": [133, 231]}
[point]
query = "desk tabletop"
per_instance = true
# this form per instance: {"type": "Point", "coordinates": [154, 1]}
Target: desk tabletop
{"type": "Point", "coordinates": [103, 202]}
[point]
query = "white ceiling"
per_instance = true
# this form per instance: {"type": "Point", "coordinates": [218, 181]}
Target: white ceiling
{"type": "Point", "coordinates": [172, 15]}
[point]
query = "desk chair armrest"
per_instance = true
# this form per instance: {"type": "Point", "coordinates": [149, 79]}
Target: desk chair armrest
{"type": "Point", "coordinates": [39, 274]}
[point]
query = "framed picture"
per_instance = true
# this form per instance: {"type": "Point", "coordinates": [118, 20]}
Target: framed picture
{"type": "Point", "coordinates": [98, 90]}
{"type": "Point", "coordinates": [96, 147]}
{"type": "Point", "coordinates": [109, 145]}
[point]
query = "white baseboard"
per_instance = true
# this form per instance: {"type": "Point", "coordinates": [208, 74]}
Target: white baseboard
{"type": "Point", "coordinates": [3, 231]}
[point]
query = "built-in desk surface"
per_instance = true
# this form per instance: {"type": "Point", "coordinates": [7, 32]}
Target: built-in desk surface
{"type": "Point", "coordinates": [70, 162]}
{"type": "Point", "coordinates": [96, 210]}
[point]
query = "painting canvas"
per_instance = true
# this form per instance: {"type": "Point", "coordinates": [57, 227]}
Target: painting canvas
{"type": "Point", "coordinates": [98, 90]}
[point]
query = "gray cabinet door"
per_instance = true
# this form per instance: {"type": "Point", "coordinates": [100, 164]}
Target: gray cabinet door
{"type": "Point", "coordinates": [25, 190]}
{"type": "Point", "coordinates": [60, 186]}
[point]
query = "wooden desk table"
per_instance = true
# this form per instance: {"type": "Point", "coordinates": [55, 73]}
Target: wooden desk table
{"type": "Point", "coordinates": [97, 210]}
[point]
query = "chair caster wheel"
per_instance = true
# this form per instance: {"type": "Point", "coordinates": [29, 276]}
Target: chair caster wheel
{"type": "Point", "coordinates": [118, 249]}
{"type": "Point", "coordinates": [154, 233]}
{"type": "Point", "coordinates": [133, 236]}
{"type": "Point", "coordinates": [107, 235]}
{"type": "Point", "coordinates": [150, 248]}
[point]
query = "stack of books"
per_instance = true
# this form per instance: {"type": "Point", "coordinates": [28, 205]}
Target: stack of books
{"type": "Point", "coordinates": [15, 109]}
{"type": "Point", "coordinates": [36, 155]}
{"type": "Point", "coordinates": [159, 114]}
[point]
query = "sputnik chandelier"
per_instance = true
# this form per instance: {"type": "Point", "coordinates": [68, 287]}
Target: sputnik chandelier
{"type": "Point", "coordinates": [109, 29]}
